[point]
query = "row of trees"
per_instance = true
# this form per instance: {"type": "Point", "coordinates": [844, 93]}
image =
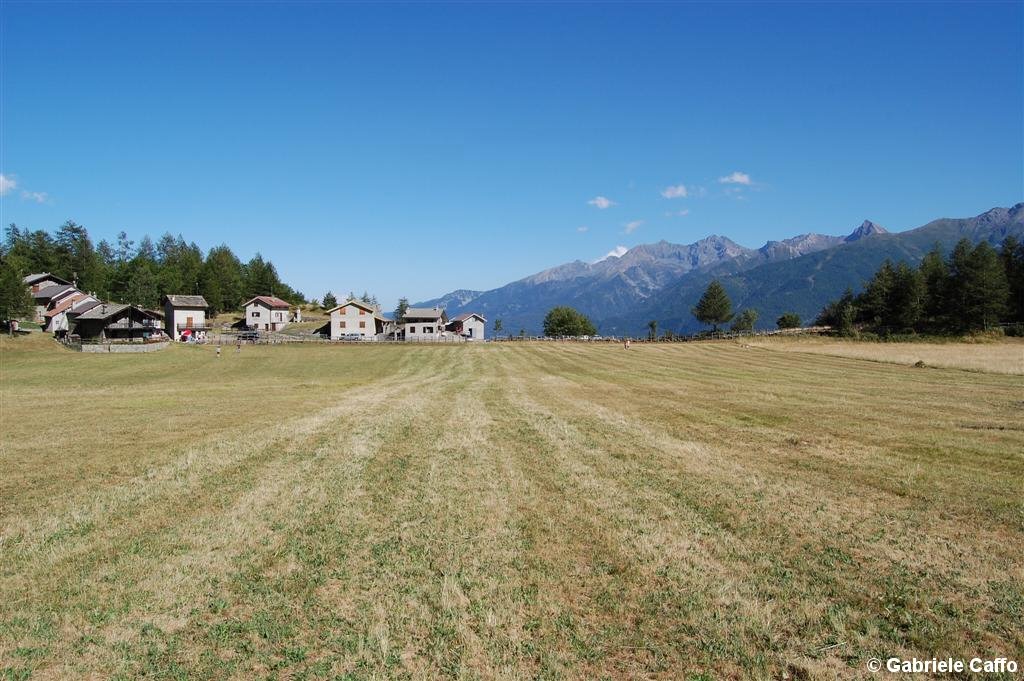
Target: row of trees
{"type": "Point", "coordinates": [330, 300]}
{"type": "Point", "coordinates": [974, 288]}
{"type": "Point", "coordinates": [715, 309]}
{"type": "Point", "coordinates": [140, 274]}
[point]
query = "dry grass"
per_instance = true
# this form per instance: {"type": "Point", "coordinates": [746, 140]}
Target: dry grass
{"type": "Point", "coordinates": [1001, 357]}
{"type": "Point", "coordinates": [502, 511]}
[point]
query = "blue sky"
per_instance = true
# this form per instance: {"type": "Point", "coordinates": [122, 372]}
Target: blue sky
{"type": "Point", "coordinates": [410, 149]}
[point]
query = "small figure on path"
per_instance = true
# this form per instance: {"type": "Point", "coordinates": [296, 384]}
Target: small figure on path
{"type": "Point", "coordinates": [238, 348]}
{"type": "Point", "coordinates": [626, 345]}
{"type": "Point", "coordinates": [218, 352]}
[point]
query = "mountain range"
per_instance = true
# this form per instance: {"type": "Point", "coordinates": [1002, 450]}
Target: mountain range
{"type": "Point", "coordinates": [663, 281]}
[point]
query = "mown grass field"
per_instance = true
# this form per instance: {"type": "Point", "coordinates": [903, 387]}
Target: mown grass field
{"type": "Point", "coordinates": [541, 510]}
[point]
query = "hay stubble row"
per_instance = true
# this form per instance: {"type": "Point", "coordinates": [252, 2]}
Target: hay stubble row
{"type": "Point", "coordinates": [503, 511]}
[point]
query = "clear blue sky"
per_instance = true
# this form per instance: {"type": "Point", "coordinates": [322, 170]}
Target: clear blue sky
{"type": "Point", "coordinates": [411, 149]}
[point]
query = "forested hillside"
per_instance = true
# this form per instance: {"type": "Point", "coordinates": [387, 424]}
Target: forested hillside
{"type": "Point", "coordinates": [139, 273]}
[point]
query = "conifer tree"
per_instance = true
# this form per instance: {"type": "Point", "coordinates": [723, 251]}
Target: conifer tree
{"type": "Point", "coordinates": [714, 307]}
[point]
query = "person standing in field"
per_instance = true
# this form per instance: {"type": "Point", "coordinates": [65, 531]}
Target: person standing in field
{"type": "Point", "coordinates": [218, 352]}
{"type": "Point", "coordinates": [626, 344]}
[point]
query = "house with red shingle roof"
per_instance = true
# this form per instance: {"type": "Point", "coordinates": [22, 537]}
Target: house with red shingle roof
{"type": "Point", "coordinates": [267, 313]}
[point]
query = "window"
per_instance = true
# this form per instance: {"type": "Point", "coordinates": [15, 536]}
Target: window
{"type": "Point", "coordinates": [362, 311]}
{"type": "Point", "coordinates": [255, 313]}
{"type": "Point", "coordinates": [342, 324]}
{"type": "Point", "coordinates": [428, 329]}
{"type": "Point", "coordinates": [362, 325]}
{"type": "Point", "coordinates": [412, 329]}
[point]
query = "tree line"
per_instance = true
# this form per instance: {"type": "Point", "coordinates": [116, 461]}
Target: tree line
{"type": "Point", "coordinates": [133, 273]}
{"type": "Point", "coordinates": [974, 288]}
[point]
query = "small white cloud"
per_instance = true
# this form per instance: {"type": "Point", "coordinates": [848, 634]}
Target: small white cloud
{"type": "Point", "coordinates": [38, 197]}
{"type": "Point", "coordinates": [7, 184]}
{"type": "Point", "coordinates": [677, 213]}
{"type": "Point", "coordinates": [616, 252]}
{"type": "Point", "coordinates": [676, 191]}
{"type": "Point", "coordinates": [736, 178]}
{"type": "Point", "coordinates": [601, 202]}
{"type": "Point", "coordinates": [583, 229]}
{"type": "Point", "coordinates": [633, 226]}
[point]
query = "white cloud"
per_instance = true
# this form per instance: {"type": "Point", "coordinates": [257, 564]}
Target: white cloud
{"type": "Point", "coordinates": [616, 252]}
{"type": "Point", "coordinates": [7, 184]}
{"type": "Point", "coordinates": [583, 229]}
{"type": "Point", "coordinates": [736, 178]}
{"type": "Point", "coordinates": [601, 202]}
{"type": "Point", "coordinates": [676, 191]}
{"type": "Point", "coordinates": [38, 197]}
{"type": "Point", "coordinates": [677, 213]}
{"type": "Point", "coordinates": [633, 226]}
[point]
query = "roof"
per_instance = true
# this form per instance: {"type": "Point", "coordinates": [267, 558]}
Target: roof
{"type": "Point", "coordinates": [103, 311]}
{"type": "Point", "coordinates": [424, 313]}
{"type": "Point", "coordinates": [268, 301]}
{"type": "Point", "coordinates": [52, 291]}
{"type": "Point", "coordinates": [466, 315]}
{"type": "Point", "coordinates": [84, 307]}
{"type": "Point", "coordinates": [30, 279]}
{"type": "Point", "coordinates": [66, 303]}
{"type": "Point", "coordinates": [185, 301]}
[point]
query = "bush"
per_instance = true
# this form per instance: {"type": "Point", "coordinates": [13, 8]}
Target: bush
{"type": "Point", "coordinates": [565, 321]}
{"type": "Point", "coordinates": [790, 320]}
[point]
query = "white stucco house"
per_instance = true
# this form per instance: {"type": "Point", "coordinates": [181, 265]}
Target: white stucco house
{"type": "Point", "coordinates": [185, 313]}
{"type": "Point", "coordinates": [356, 320]}
{"type": "Point", "coordinates": [469, 325]}
{"type": "Point", "coordinates": [267, 313]}
{"type": "Point", "coordinates": [424, 323]}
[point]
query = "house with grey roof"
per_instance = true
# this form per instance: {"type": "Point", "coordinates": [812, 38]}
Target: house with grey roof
{"type": "Point", "coordinates": [185, 316]}
{"type": "Point", "coordinates": [56, 317]}
{"type": "Point", "coordinates": [37, 282]}
{"type": "Point", "coordinates": [470, 326]}
{"type": "Point", "coordinates": [49, 296]}
{"type": "Point", "coordinates": [424, 323]}
{"type": "Point", "coordinates": [356, 320]}
{"type": "Point", "coordinates": [115, 322]}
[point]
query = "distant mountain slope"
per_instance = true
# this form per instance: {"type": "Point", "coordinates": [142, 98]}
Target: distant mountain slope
{"type": "Point", "coordinates": [663, 281]}
{"type": "Point", "coordinates": [451, 301]}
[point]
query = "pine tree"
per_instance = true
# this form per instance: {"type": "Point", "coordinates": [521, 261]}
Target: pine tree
{"type": "Point", "coordinates": [15, 301]}
{"type": "Point", "coordinates": [935, 282]}
{"type": "Point", "coordinates": [652, 329]}
{"type": "Point", "coordinates": [330, 302]}
{"type": "Point", "coordinates": [840, 314]}
{"type": "Point", "coordinates": [1012, 257]}
{"type": "Point", "coordinates": [142, 286]}
{"type": "Point", "coordinates": [221, 279]}
{"type": "Point", "coordinates": [903, 308]}
{"type": "Point", "coordinates": [714, 306]}
{"type": "Point", "coordinates": [873, 302]}
{"type": "Point", "coordinates": [979, 291]}
{"type": "Point", "coordinates": [403, 305]}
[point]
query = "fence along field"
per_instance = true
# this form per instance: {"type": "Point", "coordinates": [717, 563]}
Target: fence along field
{"type": "Point", "coordinates": [509, 510]}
